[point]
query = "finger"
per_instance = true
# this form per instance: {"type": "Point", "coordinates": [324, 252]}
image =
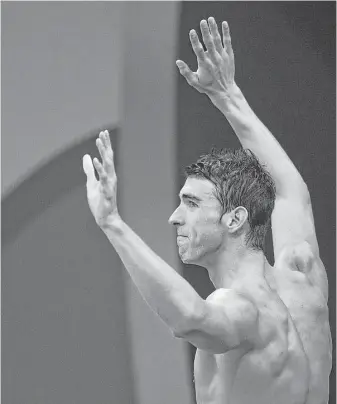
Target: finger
{"type": "Point", "coordinates": [102, 149]}
{"type": "Point", "coordinates": [208, 40]}
{"type": "Point", "coordinates": [196, 46]}
{"type": "Point", "coordinates": [107, 139]}
{"type": "Point", "coordinates": [89, 169]}
{"type": "Point", "coordinates": [103, 138]}
{"type": "Point", "coordinates": [191, 77]}
{"type": "Point", "coordinates": [100, 143]}
{"type": "Point", "coordinates": [108, 154]}
{"type": "Point", "coordinates": [107, 145]}
{"type": "Point", "coordinates": [227, 38]}
{"type": "Point", "coordinates": [100, 170]}
{"type": "Point", "coordinates": [215, 34]}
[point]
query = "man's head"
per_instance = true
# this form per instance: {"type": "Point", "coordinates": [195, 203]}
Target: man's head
{"type": "Point", "coordinates": [227, 196]}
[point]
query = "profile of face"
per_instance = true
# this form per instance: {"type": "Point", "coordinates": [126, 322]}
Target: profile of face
{"type": "Point", "coordinates": [201, 232]}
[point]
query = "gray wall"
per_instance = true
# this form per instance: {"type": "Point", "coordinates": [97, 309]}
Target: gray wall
{"type": "Point", "coordinates": [64, 331]}
{"type": "Point", "coordinates": [60, 79]}
{"type": "Point", "coordinates": [74, 329]}
{"type": "Point", "coordinates": [148, 150]}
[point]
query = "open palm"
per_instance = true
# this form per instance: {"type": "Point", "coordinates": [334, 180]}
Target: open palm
{"type": "Point", "coordinates": [216, 67]}
{"type": "Point", "coordinates": [102, 194]}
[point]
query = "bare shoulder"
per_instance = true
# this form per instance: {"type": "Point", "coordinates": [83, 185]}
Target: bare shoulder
{"type": "Point", "coordinates": [247, 298]}
{"type": "Point", "coordinates": [273, 315]}
{"type": "Point", "coordinates": [240, 305]}
{"type": "Point", "coordinates": [223, 295]}
{"type": "Point", "coordinates": [241, 299]}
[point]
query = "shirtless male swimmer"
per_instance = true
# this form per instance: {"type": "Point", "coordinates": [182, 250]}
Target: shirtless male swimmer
{"type": "Point", "coordinates": [262, 336]}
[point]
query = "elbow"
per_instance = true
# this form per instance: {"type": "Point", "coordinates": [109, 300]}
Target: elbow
{"type": "Point", "coordinates": [189, 321]}
{"type": "Point", "coordinates": [180, 331]}
{"type": "Point", "coordinates": [184, 328]}
{"type": "Point", "coordinates": [178, 334]}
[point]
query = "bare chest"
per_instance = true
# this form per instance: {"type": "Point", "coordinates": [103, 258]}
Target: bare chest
{"type": "Point", "coordinates": [235, 376]}
{"type": "Point", "coordinates": [241, 377]}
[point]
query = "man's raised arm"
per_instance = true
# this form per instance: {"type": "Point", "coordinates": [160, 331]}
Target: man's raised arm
{"type": "Point", "coordinates": [209, 325]}
{"type": "Point", "coordinates": [292, 219]}
{"type": "Point", "coordinates": [169, 295]}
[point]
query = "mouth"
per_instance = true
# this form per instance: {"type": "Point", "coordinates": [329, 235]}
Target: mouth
{"type": "Point", "coordinates": [181, 240]}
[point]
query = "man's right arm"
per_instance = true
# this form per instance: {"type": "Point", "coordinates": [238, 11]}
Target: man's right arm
{"type": "Point", "coordinates": [294, 235]}
{"type": "Point", "coordinates": [254, 135]}
{"type": "Point", "coordinates": [292, 219]}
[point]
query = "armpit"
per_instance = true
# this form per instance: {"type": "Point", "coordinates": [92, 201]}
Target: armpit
{"type": "Point", "coordinates": [302, 259]}
{"type": "Point", "coordinates": [298, 257]}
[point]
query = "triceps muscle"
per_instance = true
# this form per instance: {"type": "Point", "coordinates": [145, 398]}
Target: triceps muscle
{"type": "Point", "coordinates": [293, 223]}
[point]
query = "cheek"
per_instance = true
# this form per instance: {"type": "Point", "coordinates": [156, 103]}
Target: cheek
{"type": "Point", "coordinates": [211, 237]}
{"type": "Point", "coordinates": [206, 232]}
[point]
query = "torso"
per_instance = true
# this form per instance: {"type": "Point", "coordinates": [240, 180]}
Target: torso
{"type": "Point", "coordinates": [275, 372]}
{"type": "Point", "coordinates": [309, 310]}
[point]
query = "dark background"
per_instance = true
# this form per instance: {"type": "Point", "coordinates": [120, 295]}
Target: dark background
{"type": "Point", "coordinates": [74, 329]}
{"type": "Point", "coordinates": [285, 66]}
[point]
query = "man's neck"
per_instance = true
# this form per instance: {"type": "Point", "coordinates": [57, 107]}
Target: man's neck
{"type": "Point", "coordinates": [235, 264]}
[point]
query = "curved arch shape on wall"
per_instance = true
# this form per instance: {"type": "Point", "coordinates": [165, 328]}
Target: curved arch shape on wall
{"type": "Point", "coordinates": [64, 296]}
{"type": "Point", "coordinates": [47, 184]}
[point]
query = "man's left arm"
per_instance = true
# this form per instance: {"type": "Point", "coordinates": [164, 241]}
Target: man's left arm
{"type": "Point", "coordinates": [167, 293]}
{"type": "Point", "coordinates": [219, 324]}
{"type": "Point", "coordinates": [222, 322]}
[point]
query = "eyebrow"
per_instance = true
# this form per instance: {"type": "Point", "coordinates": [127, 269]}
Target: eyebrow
{"type": "Point", "coordinates": [190, 196]}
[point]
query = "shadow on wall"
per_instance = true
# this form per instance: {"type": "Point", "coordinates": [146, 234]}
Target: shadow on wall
{"type": "Point", "coordinates": [47, 184]}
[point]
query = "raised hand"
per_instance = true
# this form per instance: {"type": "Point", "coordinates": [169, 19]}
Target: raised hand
{"type": "Point", "coordinates": [216, 66]}
{"type": "Point", "coordinates": [102, 194]}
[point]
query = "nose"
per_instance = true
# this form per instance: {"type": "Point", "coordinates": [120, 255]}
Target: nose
{"type": "Point", "coordinates": [176, 218]}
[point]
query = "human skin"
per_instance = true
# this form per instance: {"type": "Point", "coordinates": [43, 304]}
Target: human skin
{"type": "Point", "coordinates": [298, 275]}
{"type": "Point", "coordinates": [247, 345]}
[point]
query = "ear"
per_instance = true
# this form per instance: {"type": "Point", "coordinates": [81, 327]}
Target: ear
{"type": "Point", "coordinates": [236, 219]}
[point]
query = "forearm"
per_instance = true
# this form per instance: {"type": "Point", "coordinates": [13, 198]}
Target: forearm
{"type": "Point", "coordinates": [254, 135]}
{"type": "Point", "coordinates": [166, 292]}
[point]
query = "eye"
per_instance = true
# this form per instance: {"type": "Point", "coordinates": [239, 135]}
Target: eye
{"type": "Point", "coordinates": [192, 204]}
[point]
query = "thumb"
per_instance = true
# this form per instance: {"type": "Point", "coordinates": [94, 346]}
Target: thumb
{"type": "Point", "coordinates": [185, 71]}
{"type": "Point", "coordinates": [89, 169]}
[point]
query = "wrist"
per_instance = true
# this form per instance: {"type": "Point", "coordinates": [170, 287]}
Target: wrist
{"type": "Point", "coordinates": [112, 223]}
{"type": "Point", "coordinates": [226, 98]}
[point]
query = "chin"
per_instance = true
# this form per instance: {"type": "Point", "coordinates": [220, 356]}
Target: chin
{"type": "Point", "coordinates": [190, 260]}
{"type": "Point", "coordinates": [194, 255]}
{"type": "Point", "coordinates": [185, 258]}
{"type": "Point", "coordinates": [187, 261]}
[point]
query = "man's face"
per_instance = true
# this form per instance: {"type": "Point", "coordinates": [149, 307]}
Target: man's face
{"type": "Point", "coordinates": [197, 220]}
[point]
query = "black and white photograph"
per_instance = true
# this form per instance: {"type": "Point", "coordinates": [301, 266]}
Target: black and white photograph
{"type": "Point", "coordinates": [168, 202]}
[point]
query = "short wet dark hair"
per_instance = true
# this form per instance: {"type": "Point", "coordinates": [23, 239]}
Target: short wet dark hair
{"type": "Point", "coordinates": [239, 180]}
